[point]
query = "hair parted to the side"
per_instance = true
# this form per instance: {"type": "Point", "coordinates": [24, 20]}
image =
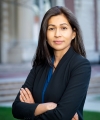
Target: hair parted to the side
{"type": "Point", "coordinates": [44, 52]}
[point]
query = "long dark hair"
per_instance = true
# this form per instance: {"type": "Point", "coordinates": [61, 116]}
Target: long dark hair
{"type": "Point", "coordinates": [44, 52]}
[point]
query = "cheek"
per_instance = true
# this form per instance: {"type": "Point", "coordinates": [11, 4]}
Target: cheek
{"type": "Point", "coordinates": [67, 35]}
{"type": "Point", "coordinates": [49, 36]}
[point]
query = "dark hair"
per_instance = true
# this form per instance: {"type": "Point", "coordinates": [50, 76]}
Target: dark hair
{"type": "Point", "coordinates": [44, 52]}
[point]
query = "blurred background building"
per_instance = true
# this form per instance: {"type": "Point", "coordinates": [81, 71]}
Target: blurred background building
{"type": "Point", "coordinates": [20, 22]}
{"type": "Point", "coordinates": [19, 28]}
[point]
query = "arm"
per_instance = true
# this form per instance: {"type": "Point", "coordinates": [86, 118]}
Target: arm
{"type": "Point", "coordinates": [43, 107]}
{"type": "Point", "coordinates": [73, 95]}
{"type": "Point", "coordinates": [23, 110]}
{"type": "Point", "coordinates": [26, 96]}
{"type": "Point", "coordinates": [24, 105]}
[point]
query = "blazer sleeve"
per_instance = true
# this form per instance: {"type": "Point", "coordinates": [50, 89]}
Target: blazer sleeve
{"type": "Point", "coordinates": [21, 110]}
{"type": "Point", "coordinates": [73, 95]}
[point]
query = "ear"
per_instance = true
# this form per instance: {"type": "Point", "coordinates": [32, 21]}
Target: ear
{"type": "Point", "coordinates": [73, 35]}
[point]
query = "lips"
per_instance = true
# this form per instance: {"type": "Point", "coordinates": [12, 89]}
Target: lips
{"type": "Point", "coordinates": [58, 41]}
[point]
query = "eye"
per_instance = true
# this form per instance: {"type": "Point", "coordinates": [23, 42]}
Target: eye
{"type": "Point", "coordinates": [51, 29]}
{"type": "Point", "coordinates": [64, 28]}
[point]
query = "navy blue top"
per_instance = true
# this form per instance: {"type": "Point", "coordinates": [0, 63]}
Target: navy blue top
{"type": "Point", "coordinates": [47, 80]}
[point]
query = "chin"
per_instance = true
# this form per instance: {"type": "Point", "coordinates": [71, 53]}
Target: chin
{"type": "Point", "coordinates": [61, 48]}
{"type": "Point", "coordinates": [58, 48]}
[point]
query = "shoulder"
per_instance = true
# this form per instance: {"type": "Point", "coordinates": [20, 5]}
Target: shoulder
{"type": "Point", "coordinates": [77, 58]}
{"type": "Point", "coordinates": [78, 61]}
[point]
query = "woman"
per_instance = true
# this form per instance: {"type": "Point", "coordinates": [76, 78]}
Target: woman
{"type": "Point", "coordinates": [57, 84]}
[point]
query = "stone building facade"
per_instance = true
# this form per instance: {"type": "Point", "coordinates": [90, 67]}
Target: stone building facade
{"type": "Point", "coordinates": [19, 27]}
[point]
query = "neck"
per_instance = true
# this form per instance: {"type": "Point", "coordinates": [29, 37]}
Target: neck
{"type": "Point", "coordinates": [58, 55]}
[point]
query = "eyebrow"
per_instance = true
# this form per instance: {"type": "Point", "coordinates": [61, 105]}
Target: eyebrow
{"type": "Point", "coordinates": [60, 24]}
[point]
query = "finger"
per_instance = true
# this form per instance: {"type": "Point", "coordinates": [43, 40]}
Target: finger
{"type": "Point", "coordinates": [28, 92]}
{"type": "Point", "coordinates": [24, 93]}
{"type": "Point", "coordinates": [76, 116]}
{"type": "Point", "coordinates": [21, 99]}
{"type": "Point", "coordinates": [31, 99]}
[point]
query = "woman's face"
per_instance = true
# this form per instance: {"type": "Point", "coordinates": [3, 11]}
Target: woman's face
{"type": "Point", "coordinates": [59, 33]}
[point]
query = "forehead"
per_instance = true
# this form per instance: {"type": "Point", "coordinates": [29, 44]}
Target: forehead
{"type": "Point", "coordinates": [58, 19]}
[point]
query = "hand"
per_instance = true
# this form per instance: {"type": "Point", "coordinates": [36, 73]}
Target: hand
{"type": "Point", "coordinates": [43, 107]}
{"type": "Point", "coordinates": [26, 96]}
{"type": "Point", "coordinates": [75, 117]}
{"type": "Point", "coordinates": [50, 105]}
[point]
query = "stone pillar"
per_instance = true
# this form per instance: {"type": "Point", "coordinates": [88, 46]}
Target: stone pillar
{"type": "Point", "coordinates": [98, 26]}
{"type": "Point", "coordinates": [5, 32]}
{"type": "Point", "coordinates": [0, 27]}
{"type": "Point", "coordinates": [84, 11]}
{"type": "Point", "coordinates": [24, 48]}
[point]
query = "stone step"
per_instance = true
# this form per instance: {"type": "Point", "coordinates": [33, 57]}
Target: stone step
{"type": "Point", "coordinates": [6, 104]}
{"type": "Point", "coordinates": [93, 85]}
{"type": "Point", "coordinates": [10, 86]}
{"type": "Point", "coordinates": [7, 98]}
{"type": "Point", "coordinates": [12, 80]}
{"type": "Point", "coordinates": [8, 92]}
{"type": "Point", "coordinates": [94, 90]}
{"type": "Point", "coordinates": [96, 79]}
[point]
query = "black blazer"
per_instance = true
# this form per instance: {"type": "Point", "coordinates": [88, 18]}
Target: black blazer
{"type": "Point", "coordinates": [67, 87]}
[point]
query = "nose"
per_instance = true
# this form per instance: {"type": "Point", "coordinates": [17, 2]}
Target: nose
{"type": "Point", "coordinates": [57, 33]}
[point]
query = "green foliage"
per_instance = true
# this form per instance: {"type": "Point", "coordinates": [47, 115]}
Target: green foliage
{"type": "Point", "coordinates": [91, 115]}
{"type": "Point", "coordinates": [6, 114]}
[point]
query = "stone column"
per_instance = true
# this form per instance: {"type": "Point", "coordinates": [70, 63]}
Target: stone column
{"type": "Point", "coordinates": [24, 48]}
{"type": "Point", "coordinates": [98, 26]}
{"type": "Point", "coordinates": [5, 32]}
{"type": "Point", "coordinates": [0, 27]}
{"type": "Point", "coordinates": [84, 11]}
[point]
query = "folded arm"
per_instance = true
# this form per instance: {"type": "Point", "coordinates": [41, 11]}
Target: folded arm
{"type": "Point", "coordinates": [73, 96]}
{"type": "Point", "coordinates": [26, 96]}
{"type": "Point", "coordinates": [66, 107]}
{"type": "Point", "coordinates": [21, 110]}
